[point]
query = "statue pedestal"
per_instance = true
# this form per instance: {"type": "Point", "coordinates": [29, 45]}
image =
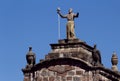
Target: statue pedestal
{"type": "Point", "coordinates": [71, 48]}
{"type": "Point", "coordinates": [114, 68]}
{"type": "Point", "coordinates": [63, 41]}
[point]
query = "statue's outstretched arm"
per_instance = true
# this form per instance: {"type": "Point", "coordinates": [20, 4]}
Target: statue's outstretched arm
{"type": "Point", "coordinates": [76, 15]}
{"type": "Point", "coordinates": [63, 16]}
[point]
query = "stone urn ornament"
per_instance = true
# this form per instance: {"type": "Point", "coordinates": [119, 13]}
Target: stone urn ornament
{"type": "Point", "coordinates": [114, 61]}
{"type": "Point", "coordinates": [30, 57]}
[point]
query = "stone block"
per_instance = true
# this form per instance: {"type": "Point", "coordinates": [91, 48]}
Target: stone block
{"type": "Point", "coordinates": [69, 78]}
{"type": "Point", "coordinates": [76, 78]}
{"type": "Point", "coordinates": [57, 78]}
{"type": "Point", "coordinates": [51, 73]}
{"type": "Point", "coordinates": [44, 73]}
{"type": "Point", "coordinates": [71, 73]}
{"type": "Point", "coordinates": [79, 72]}
{"type": "Point", "coordinates": [26, 79]}
{"type": "Point", "coordinates": [45, 79]}
{"type": "Point", "coordinates": [39, 78]}
{"type": "Point", "coordinates": [51, 78]}
{"type": "Point", "coordinates": [63, 74]}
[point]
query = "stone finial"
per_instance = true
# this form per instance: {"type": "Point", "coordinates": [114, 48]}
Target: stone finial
{"type": "Point", "coordinates": [114, 61]}
{"type": "Point", "coordinates": [30, 57]}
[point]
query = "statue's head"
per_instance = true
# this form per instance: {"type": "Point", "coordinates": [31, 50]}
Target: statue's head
{"type": "Point", "coordinates": [70, 10]}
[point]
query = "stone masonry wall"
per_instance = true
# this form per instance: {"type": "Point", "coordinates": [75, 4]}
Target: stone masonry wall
{"type": "Point", "coordinates": [67, 73]}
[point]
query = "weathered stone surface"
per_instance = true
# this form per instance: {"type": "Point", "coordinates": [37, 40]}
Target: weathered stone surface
{"type": "Point", "coordinates": [71, 73]}
{"type": "Point", "coordinates": [39, 78]}
{"type": "Point", "coordinates": [51, 78]}
{"type": "Point", "coordinates": [69, 78]}
{"type": "Point", "coordinates": [76, 78]}
{"type": "Point", "coordinates": [79, 72]}
{"type": "Point", "coordinates": [70, 60]}
{"type": "Point", "coordinates": [45, 78]}
{"type": "Point", "coordinates": [60, 69]}
{"type": "Point", "coordinates": [71, 49]}
{"type": "Point", "coordinates": [63, 74]}
{"type": "Point", "coordinates": [44, 73]}
{"type": "Point", "coordinates": [26, 79]}
{"type": "Point", "coordinates": [76, 74]}
{"type": "Point", "coordinates": [58, 78]}
{"type": "Point", "coordinates": [51, 73]}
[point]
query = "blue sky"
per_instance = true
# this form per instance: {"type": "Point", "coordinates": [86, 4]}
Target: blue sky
{"type": "Point", "coordinates": [25, 23]}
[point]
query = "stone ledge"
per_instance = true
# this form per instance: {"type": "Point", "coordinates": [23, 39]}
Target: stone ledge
{"type": "Point", "coordinates": [63, 41]}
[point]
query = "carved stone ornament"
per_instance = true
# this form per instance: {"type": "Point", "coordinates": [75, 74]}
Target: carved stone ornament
{"type": "Point", "coordinates": [30, 57]}
{"type": "Point", "coordinates": [61, 68]}
{"type": "Point", "coordinates": [114, 59]}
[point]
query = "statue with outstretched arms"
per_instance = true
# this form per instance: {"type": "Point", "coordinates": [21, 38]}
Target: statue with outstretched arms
{"type": "Point", "coordinates": [70, 22]}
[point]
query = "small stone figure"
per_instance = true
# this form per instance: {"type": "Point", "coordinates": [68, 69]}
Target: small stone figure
{"type": "Point", "coordinates": [96, 56]}
{"type": "Point", "coordinates": [70, 24]}
{"type": "Point", "coordinates": [30, 57]}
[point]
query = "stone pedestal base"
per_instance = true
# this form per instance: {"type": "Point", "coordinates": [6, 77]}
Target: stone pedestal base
{"type": "Point", "coordinates": [114, 68]}
{"type": "Point", "coordinates": [63, 41]}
